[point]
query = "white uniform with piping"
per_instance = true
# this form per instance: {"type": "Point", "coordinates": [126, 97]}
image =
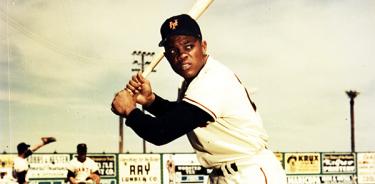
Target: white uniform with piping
{"type": "Point", "coordinates": [237, 135]}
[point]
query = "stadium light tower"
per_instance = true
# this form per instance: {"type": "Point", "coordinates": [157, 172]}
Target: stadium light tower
{"type": "Point", "coordinates": [140, 67]}
{"type": "Point", "coordinates": [121, 132]}
{"type": "Point", "coordinates": [352, 94]}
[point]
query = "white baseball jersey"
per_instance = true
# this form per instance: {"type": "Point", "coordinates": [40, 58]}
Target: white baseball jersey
{"type": "Point", "coordinates": [237, 132]}
{"type": "Point", "coordinates": [20, 164]}
{"type": "Point", "coordinates": [82, 170]}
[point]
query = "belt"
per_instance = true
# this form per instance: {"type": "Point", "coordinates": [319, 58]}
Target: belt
{"type": "Point", "coordinates": [219, 172]}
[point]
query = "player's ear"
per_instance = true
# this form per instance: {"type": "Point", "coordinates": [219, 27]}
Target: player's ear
{"type": "Point", "coordinates": [204, 47]}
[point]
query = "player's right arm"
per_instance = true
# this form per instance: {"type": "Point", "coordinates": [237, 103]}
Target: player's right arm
{"type": "Point", "coordinates": [171, 121]}
{"type": "Point", "coordinates": [154, 104]}
{"type": "Point", "coordinates": [138, 90]}
{"type": "Point", "coordinates": [141, 87]}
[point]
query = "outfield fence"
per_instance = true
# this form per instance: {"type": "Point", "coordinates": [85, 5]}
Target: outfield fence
{"type": "Point", "coordinates": [134, 168]}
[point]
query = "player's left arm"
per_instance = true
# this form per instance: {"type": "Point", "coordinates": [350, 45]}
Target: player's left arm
{"type": "Point", "coordinates": [171, 125]}
{"type": "Point", "coordinates": [160, 106]}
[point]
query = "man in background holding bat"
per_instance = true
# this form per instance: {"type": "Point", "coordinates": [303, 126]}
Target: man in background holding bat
{"type": "Point", "coordinates": [213, 108]}
{"type": "Point", "coordinates": [21, 166]}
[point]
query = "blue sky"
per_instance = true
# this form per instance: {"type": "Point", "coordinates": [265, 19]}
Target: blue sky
{"type": "Point", "coordinates": [62, 61]}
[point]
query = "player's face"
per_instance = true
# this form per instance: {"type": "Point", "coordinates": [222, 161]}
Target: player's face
{"type": "Point", "coordinates": [81, 156]}
{"type": "Point", "coordinates": [186, 55]}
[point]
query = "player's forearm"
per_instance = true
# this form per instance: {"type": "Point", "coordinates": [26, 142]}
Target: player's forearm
{"type": "Point", "coordinates": [72, 180]}
{"type": "Point", "coordinates": [150, 128]}
{"type": "Point", "coordinates": [37, 146]}
{"type": "Point", "coordinates": [174, 123]}
{"type": "Point", "coordinates": [45, 141]}
{"type": "Point", "coordinates": [159, 106]}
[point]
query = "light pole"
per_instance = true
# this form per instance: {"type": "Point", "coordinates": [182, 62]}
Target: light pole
{"type": "Point", "coordinates": [140, 66]}
{"type": "Point", "coordinates": [352, 94]}
{"type": "Point", "coordinates": [121, 132]}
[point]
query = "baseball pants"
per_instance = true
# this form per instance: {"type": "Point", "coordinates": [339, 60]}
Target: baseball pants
{"type": "Point", "coordinates": [263, 168]}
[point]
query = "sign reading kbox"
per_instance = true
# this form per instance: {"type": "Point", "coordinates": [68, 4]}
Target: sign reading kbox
{"type": "Point", "coordinates": [302, 163]}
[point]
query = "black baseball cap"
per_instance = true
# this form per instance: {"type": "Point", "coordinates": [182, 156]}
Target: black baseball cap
{"type": "Point", "coordinates": [22, 147]}
{"type": "Point", "coordinates": [81, 148]}
{"type": "Point", "coordinates": [179, 25]}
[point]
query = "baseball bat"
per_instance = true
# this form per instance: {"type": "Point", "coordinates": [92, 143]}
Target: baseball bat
{"type": "Point", "coordinates": [199, 7]}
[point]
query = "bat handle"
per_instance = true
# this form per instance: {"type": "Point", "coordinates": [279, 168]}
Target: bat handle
{"type": "Point", "coordinates": [199, 8]}
{"type": "Point", "coordinates": [157, 58]}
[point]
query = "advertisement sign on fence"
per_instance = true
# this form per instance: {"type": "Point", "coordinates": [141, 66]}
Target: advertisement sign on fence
{"type": "Point", "coordinates": [306, 168]}
{"type": "Point", "coordinates": [183, 168]}
{"type": "Point", "coordinates": [319, 179]}
{"type": "Point", "coordinates": [338, 163]}
{"type": "Point", "coordinates": [139, 168]}
{"type": "Point", "coordinates": [302, 163]}
{"type": "Point", "coordinates": [48, 165]}
{"type": "Point", "coordinates": [366, 168]}
{"type": "Point", "coordinates": [106, 163]}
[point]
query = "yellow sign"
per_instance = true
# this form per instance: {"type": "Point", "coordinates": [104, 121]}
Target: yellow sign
{"type": "Point", "coordinates": [302, 163]}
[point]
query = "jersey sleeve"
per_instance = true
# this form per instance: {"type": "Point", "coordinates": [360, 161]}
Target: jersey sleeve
{"type": "Point", "coordinates": [160, 106]}
{"type": "Point", "coordinates": [211, 91]}
{"type": "Point", "coordinates": [28, 153]}
{"type": "Point", "coordinates": [20, 165]}
{"type": "Point", "coordinates": [70, 166]}
{"type": "Point", "coordinates": [172, 124]}
{"type": "Point", "coordinates": [94, 166]}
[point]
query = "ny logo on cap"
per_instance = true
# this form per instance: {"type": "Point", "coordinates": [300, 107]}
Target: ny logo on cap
{"type": "Point", "coordinates": [173, 24]}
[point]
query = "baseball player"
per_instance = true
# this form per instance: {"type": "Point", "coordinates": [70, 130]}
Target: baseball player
{"type": "Point", "coordinates": [20, 164]}
{"type": "Point", "coordinates": [83, 169]}
{"type": "Point", "coordinates": [213, 108]}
